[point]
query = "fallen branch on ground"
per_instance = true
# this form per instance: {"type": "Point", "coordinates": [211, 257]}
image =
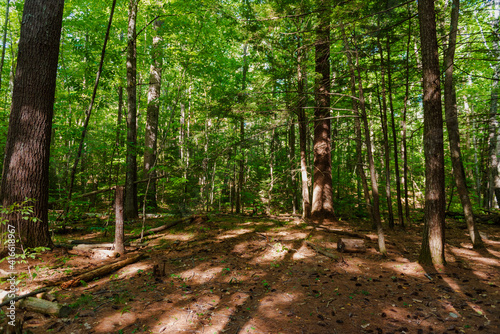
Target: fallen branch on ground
{"type": "Point", "coordinates": [322, 252]}
{"type": "Point", "coordinates": [101, 271]}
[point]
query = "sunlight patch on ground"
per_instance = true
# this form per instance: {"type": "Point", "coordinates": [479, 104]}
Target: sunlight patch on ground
{"type": "Point", "coordinates": [201, 274]}
{"type": "Point", "coordinates": [277, 306]}
{"type": "Point", "coordinates": [473, 256]}
{"type": "Point", "coordinates": [113, 322]}
{"type": "Point", "coordinates": [233, 234]}
{"type": "Point", "coordinates": [178, 236]}
{"type": "Point", "coordinates": [303, 252]}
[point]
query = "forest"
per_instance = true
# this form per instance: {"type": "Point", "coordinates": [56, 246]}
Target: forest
{"type": "Point", "coordinates": [254, 166]}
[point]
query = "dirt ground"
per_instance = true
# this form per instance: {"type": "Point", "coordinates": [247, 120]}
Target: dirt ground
{"type": "Point", "coordinates": [227, 274]}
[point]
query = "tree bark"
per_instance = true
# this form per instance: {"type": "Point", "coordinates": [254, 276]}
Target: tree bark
{"type": "Point", "coordinates": [303, 123]}
{"type": "Point", "coordinates": [131, 210]}
{"type": "Point", "coordinates": [394, 138]}
{"type": "Point", "coordinates": [241, 162]}
{"type": "Point", "coordinates": [4, 43]}
{"type": "Point", "coordinates": [387, 158]}
{"type": "Point", "coordinates": [432, 251]}
{"type": "Point", "coordinates": [371, 164]}
{"type": "Point", "coordinates": [152, 117]}
{"type": "Point", "coordinates": [322, 203]}
{"type": "Point", "coordinates": [450, 106]}
{"type": "Point", "coordinates": [494, 177]}
{"type": "Point", "coordinates": [119, 232]}
{"type": "Point", "coordinates": [27, 151]}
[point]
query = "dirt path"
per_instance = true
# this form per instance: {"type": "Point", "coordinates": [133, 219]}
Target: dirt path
{"type": "Point", "coordinates": [257, 275]}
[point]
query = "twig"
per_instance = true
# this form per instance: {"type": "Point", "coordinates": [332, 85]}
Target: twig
{"type": "Point", "coordinates": [32, 293]}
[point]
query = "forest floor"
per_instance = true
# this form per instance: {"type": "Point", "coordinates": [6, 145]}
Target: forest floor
{"type": "Point", "coordinates": [242, 274]}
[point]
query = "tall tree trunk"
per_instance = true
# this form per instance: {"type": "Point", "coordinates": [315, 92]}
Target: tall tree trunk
{"type": "Point", "coordinates": [322, 203]}
{"type": "Point", "coordinates": [241, 172]}
{"type": "Point", "coordinates": [371, 164]}
{"type": "Point", "coordinates": [293, 165]}
{"type": "Point", "coordinates": [131, 210]}
{"type": "Point", "coordinates": [387, 159]}
{"type": "Point", "coordinates": [357, 129]}
{"type": "Point", "coordinates": [450, 106]}
{"type": "Point", "coordinates": [152, 117]}
{"type": "Point", "coordinates": [405, 108]}
{"type": "Point", "coordinates": [5, 26]}
{"type": "Point", "coordinates": [432, 251]}
{"type": "Point", "coordinates": [494, 177]}
{"type": "Point", "coordinates": [394, 138]}
{"type": "Point", "coordinates": [89, 110]}
{"type": "Point", "coordinates": [27, 151]}
{"type": "Point", "coordinates": [303, 123]}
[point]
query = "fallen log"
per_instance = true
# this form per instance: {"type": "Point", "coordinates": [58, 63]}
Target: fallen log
{"type": "Point", "coordinates": [45, 307]}
{"type": "Point", "coordinates": [101, 271]}
{"type": "Point", "coordinates": [34, 304]}
{"type": "Point", "coordinates": [351, 245]}
{"type": "Point", "coordinates": [6, 301]}
{"type": "Point", "coordinates": [159, 228]}
{"type": "Point", "coordinates": [322, 252]}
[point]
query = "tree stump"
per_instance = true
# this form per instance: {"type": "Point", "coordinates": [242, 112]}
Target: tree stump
{"type": "Point", "coordinates": [351, 245]}
{"type": "Point", "coordinates": [119, 233]}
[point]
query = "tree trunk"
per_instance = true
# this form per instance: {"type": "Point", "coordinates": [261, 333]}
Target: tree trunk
{"type": "Point", "coordinates": [302, 119]}
{"type": "Point", "coordinates": [371, 163]}
{"type": "Point", "coordinates": [494, 177]}
{"type": "Point", "coordinates": [387, 159]}
{"type": "Point", "coordinates": [432, 251]}
{"type": "Point", "coordinates": [152, 117]}
{"type": "Point", "coordinates": [394, 138]}
{"type": "Point", "coordinates": [357, 129]}
{"type": "Point", "coordinates": [241, 172]}
{"type": "Point", "coordinates": [293, 166]}
{"type": "Point", "coordinates": [5, 26]}
{"type": "Point", "coordinates": [405, 107]}
{"type": "Point", "coordinates": [119, 232]}
{"type": "Point", "coordinates": [131, 210]}
{"type": "Point", "coordinates": [27, 151]}
{"type": "Point", "coordinates": [450, 105]}
{"type": "Point", "coordinates": [322, 203]}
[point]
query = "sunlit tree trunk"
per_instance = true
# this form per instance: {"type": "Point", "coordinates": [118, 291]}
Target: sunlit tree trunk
{"type": "Point", "coordinates": [432, 251]}
{"type": "Point", "coordinates": [27, 151]}
{"type": "Point", "coordinates": [131, 173]}
{"type": "Point", "coordinates": [322, 203]}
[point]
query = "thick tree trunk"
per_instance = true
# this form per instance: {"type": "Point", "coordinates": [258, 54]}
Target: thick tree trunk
{"type": "Point", "coordinates": [152, 118]}
{"type": "Point", "coordinates": [27, 151]}
{"type": "Point", "coordinates": [432, 251]}
{"type": "Point", "coordinates": [131, 211]}
{"type": "Point", "coordinates": [322, 203]}
{"type": "Point", "coordinates": [450, 105]}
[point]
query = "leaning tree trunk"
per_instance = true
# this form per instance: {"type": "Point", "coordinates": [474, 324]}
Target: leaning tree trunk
{"type": "Point", "coordinates": [131, 174]}
{"type": "Point", "coordinates": [450, 106]}
{"type": "Point", "coordinates": [27, 151]}
{"type": "Point", "coordinates": [371, 164]}
{"type": "Point", "coordinates": [152, 119]}
{"type": "Point", "coordinates": [322, 203]}
{"type": "Point", "coordinates": [432, 251]}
